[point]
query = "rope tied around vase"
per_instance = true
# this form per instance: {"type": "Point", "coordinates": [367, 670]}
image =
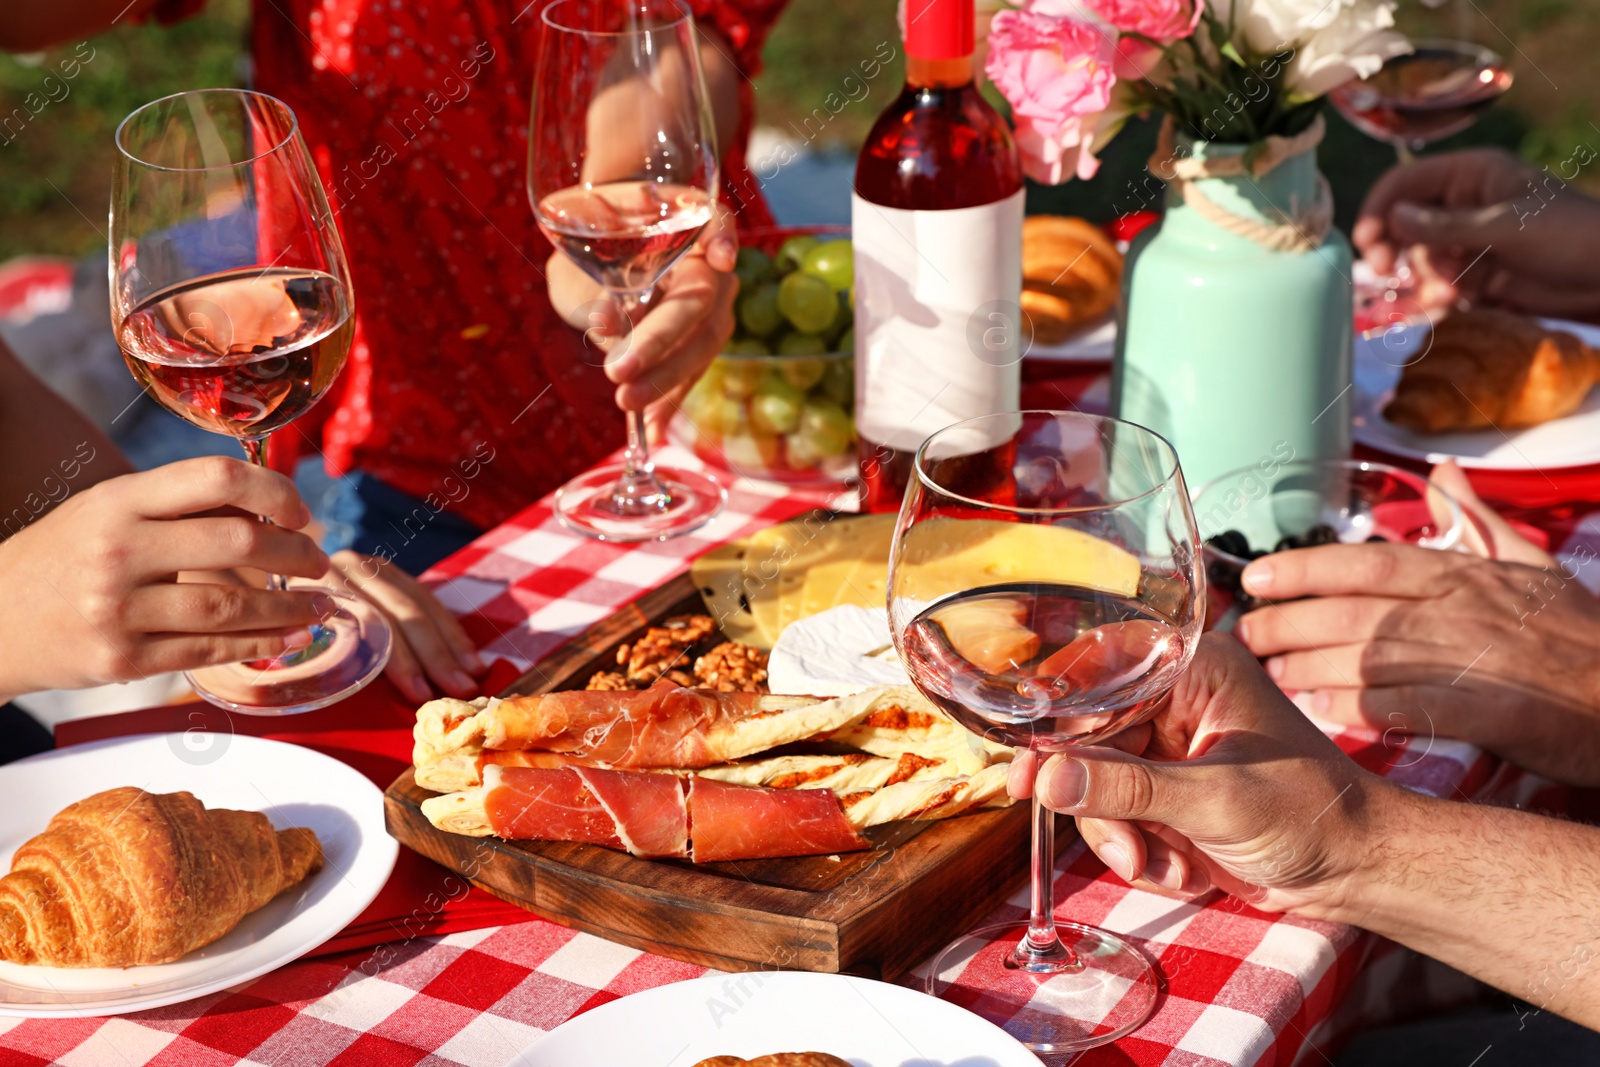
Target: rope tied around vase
{"type": "Point", "coordinates": [1301, 230]}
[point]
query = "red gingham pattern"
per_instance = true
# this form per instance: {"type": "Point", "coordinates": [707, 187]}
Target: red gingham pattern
{"type": "Point", "coordinates": [1242, 987]}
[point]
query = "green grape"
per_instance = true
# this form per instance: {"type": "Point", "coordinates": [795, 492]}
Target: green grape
{"type": "Point", "coordinates": [801, 452]}
{"type": "Point", "coordinates": [746, 346]}
{"type": "Point", "coordinates": [793, 253]}
{"type": "Point", "coordinates": [807, 302]}
{"type": "Point", "coordinates": [846, 343]}
{"type": "Point", "coordinates": [827, 427]}
{"type": "Point", "coordinates": [775, 409]}
{"type": "Point", "coordinates": [702, 405]}
{"type": "Point", "coordinates": [732, 417]}
{"type": "Point", "coordinates": [839, 383]}
{"type": "Point", "coordinates": [752, 268]}
{"type": "Point", "coordinates": [833, 262]}
{"type": "Point", "coordinates": [748, 453]}
{"type": "Point", "coordinates": [802, 344]}
{"type": "Point", "coordinates": [846, 319]}
{"type": "Point", "coordinates": [803, 373]}
{"type": "Point", "coordinates": [758, 310]}
{"type": "Point", "coordinates": [741, 377]}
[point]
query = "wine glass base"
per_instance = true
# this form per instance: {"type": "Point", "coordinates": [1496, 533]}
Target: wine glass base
{"type": "Point", "coordinates": [584, 505]}
{"type": "Point", "coordinates": [1106, 992]}
{"type": "Point", "coordinates": [349, 648]}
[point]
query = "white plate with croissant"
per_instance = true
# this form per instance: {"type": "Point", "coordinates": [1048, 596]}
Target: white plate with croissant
{"type": "Point", "coordinates": [150, 870]}
{"type": "Point", "coordinates": [1489, 389]}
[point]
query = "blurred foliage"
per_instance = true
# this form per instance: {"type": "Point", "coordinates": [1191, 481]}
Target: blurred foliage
{"type": "Point", "coordinates": [54, 174]}
{"type": "Point", "coordinates": [55, 170]}
{"type": "Point", "coordinates": [816, 45]}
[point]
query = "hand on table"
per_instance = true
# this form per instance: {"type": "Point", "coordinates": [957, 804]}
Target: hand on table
{"type": "Point", "coordinates": [428, 640]}
{"type": "Point", "coordinates": [686, 324]}
{"type": "Point", "coordinates": [1229, 786]}
{"type": "Point", "coordinates": [1501, 654]}
{"type": "Point", "coordinates": [1533, 233]}
{"type": "Point", "coordinates": [91, 591]}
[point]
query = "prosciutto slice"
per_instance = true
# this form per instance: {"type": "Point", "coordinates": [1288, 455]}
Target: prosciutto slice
{"type": "Point", "coordinates": [649, 810]}
{"type": "Point", "coordinates": [545, 804]}
{"type": "Point", "coordinates": [748, 822]}
{"type": "Point", "coordinates": [663, 726]}
{"type": "Point", "coordinates": [655, 815]}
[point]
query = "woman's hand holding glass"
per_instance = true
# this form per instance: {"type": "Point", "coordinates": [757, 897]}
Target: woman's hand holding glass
{"type": "Point", "coordinates": [92, 590]}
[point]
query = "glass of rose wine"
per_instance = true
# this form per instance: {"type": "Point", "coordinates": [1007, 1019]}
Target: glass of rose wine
{"type": "Point", "coordinates": [232, 304]}
{"type": "Point", "coordinates": [1437, 90]}
{"type": "Point", "coordinates": [622, 174]}
{"type": "Point", "coordinates": [1073, 639]}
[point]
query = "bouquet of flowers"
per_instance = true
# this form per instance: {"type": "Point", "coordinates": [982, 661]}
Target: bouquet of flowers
{"type": "Point", "coordinates": [1231, 71]}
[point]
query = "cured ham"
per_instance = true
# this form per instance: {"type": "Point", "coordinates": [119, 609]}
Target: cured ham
{"type": "Point", "coordinates": [546, 805]}
{"type": "Point", "coordinates": [745, 822]}
{"type": "Point", "coordinates": [665, 726]}
{"type": "Point", "coordinates": [649, 810]}
{"type": "Point", "coordinates": [649, 815]}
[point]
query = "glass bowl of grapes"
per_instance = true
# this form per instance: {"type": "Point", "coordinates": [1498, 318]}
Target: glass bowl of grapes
{"type": "Point", "coordinates": [777, 402]}
{"type": "Point", "coordinates": [1276, 505]}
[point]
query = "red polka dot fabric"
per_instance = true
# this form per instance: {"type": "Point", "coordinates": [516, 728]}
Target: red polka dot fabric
{"type": "Point", "coordinates": [461, 372]}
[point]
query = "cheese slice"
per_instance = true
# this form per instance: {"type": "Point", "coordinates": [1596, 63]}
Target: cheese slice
{"type": "Point", "coordinates": [757, 586]}
{"type": "Point", "coordinates": [859, 582]}
{"type": "Point", "coordinates": [944, 556]}
{"type": "Point", "coordinates": [719, 575]}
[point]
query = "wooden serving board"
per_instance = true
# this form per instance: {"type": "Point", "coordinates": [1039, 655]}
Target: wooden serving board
{"type": "Point", "coordinates": [876, 913]}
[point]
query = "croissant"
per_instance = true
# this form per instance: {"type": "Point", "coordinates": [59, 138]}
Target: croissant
{"type": "Point", "coordinates": [127, 877]}
{"type": "Point", "coordinates": [1492, 368]}
{"type": "Point", "coordinates": [1071, 275]}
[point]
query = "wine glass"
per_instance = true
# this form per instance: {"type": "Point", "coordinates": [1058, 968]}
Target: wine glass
{"type": "Point", "coordinates": [231, 301]}
{"type": "Point", "coordinates": [1073, 638]}
{"type": "Point", "coordinates": [622, 174]}
{"type": "Point", "coordinates": [1436, 90]}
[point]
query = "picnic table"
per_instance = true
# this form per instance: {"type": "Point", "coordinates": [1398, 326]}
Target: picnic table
{"type": "Point", "coordinates": [437, 974]}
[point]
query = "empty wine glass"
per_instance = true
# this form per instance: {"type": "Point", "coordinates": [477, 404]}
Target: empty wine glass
{"type": "Point", "coordinates": [622, 174]}
{"type": "Point", "coordinates": [1076, 635]}
{"type": "Point", "coordinates": [231, 301]}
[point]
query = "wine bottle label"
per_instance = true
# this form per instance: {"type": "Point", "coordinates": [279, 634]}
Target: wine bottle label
{"type": "Point", "coordinates": [937, 308]}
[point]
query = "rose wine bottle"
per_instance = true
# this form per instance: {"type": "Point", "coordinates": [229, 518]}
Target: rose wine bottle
{"type": "Point", "coordinates": [936, 220]}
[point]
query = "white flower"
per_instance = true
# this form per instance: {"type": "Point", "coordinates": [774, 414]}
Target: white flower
{"type": "Point", "coordinates": [1333, 40]}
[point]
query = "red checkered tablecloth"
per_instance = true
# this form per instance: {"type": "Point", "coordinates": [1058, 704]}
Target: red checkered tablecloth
{"type": "Point", "coordinates": [1242, 987]}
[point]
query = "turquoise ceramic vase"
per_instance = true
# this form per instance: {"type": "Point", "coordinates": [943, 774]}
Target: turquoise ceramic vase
{"type": "Point", "coordinates": [1237, 353]}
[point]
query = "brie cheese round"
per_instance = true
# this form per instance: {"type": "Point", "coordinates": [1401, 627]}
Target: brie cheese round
{"type": "Point", "coordinates": [835, 653]}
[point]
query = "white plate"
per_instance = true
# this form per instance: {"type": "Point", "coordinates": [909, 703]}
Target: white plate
{"type": "Point", "coordinates": [1573, 441]}
{"type": "Point", "coordinates": [291, 785]}
{"type": "Point", "coordinates": [1097, 344]}
{"type": "Point", "coordinates": [871, 1024]}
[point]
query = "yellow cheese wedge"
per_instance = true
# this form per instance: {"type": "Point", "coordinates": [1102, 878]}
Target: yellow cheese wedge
{"type": "Point", "coordinates": [948, 555]}
{"type": "Point", "coordinates": [793, 570]}
{"type": "Point", "coordinates": [719, 575]}
{"type": "Point", "coordinates": [756, 586]}
{"type": "Point", "coordinates": [862, 582]}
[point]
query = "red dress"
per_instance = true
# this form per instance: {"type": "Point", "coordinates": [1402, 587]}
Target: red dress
{"type": "Point", "coordinates": [463, 387]}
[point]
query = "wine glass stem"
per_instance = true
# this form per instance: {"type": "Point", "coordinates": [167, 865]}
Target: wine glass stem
{"type": "Point", "coordinates": [255, 450]}
{"type": "Point", "coordinates": [638, 491]}
{"type": "Point", "coordinates": [1404, 153]}
{"type": "Point", "coordinates": [1042, 945]}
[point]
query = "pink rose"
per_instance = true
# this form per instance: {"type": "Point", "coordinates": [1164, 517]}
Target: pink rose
{"type": "Point", "coordinates": [1163, 20]}
{"type": "Point", "coordinates": [1057, 74]}
{"type": "Point", "coordinates": [1160, 20]}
